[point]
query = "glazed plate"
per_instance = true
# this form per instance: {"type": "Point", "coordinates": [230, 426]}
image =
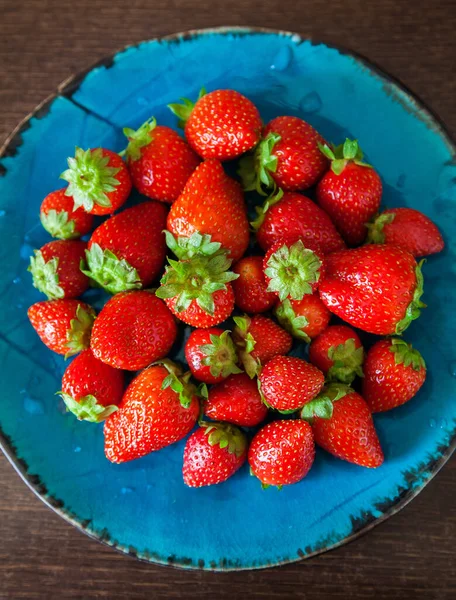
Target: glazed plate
{"type": "Point", "coordinates": [143, 507]}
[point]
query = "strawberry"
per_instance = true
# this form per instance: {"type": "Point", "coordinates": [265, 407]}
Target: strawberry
{"type": "Point", "coordinates": [288, 156]}
{"type": "Point", "coordinates": [213, 204]}
{"type": "Point", "coordinates": [212, 454]}
{"type": "Point", "coordinates": [288, 383]}
{"type": "Point", "coordinates": [304, 319]}
{"type": "Point", "coordinates": [91, 389]}
{"type": "Point", "coordinates": [291, 216]}
{"type": "Point", "coordinates": [159, 408]}
{"type": "Point", "coordinates": [222, 124]}
{"type": "Point", "coordinates": [55, 269]}
{"type": "Point", "coordinates": [236, 400]}
{"type": "Point", "coordinates": [338, 353]}
{"type": "Point", "coordinates": [376, 288]}
{"type": "Point", "coordinates": [98, 180]}
{"type": "Point", "coordinates": [128, 250]}
{"type": "Point", "coordinates": [293, 269]}
{"type": "Point", "coordinates": [258, 340]}
{"type": "Point", "coordinates": [250, 289]}
{"type": "Point", "coordinates": [63, 325]}
{"type": "Point", "coordinates": [350, 192]}
{"type": "Point", "coordinates": [282, 453]}
{"type": "Point", "coordinates": [342, 424]}
{"type": "Point", "coordinates": [394, 372]}
{"type": "Point", "coordinates": [61, 220]}
{"type": "Point", "coordinates": [159, 161]}
{"type": "Point", "coordinates": [407, 228]}
{"type": "Point", "coordinates": [211, 355]}
{"type": "Point", "coordinates": [133, 330]}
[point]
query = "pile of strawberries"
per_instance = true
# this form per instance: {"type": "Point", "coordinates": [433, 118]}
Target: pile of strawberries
{"type": "Point", "coordinates": [306, 261]}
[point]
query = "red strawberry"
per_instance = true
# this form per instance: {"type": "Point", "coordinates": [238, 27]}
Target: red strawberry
{"type": "Point", "coordinates": [293, 269]}
{"type": "Point", "coordinates": [259, 340]}
{"type": "Point", "coordinates": [304, 319]}
{"type": "Point", "coordinates": [407, 228]}
{"type": "Point", "coordinates": [212, 454]}
{"type": "Point", "coordinates": [376, 288]}
{"type": "Point", "coordinates": [342, 424]}
{"type": "Point", "coordinates": [211, 355]}
{"type": "Point", "coordinates": [98, 181]}
{"type": "Point", "coordinates": [288, 157]}
{"type": "Point", "coordinates": [236, 400]}
{"type": "Point", "coordinates": [159, 408]}
{"type": "Point", "coordinates": [350, 192]}
{"type": "Point", "coordinates": [288, 383]}
{"type": "Point", "coordinates": [213, 204]}
{"type": "Point", "coordinates": [133, 330]}
{"type": "Point", "coordinates": [292, 216]}
{"type": "Point", "coordinates": [55, 269]}
{"type": "Point", "coordinates": [222, 124]}
{"type": "Point", "coordinates": [159, 161]}
{"type": "Point", "coordinates": [58, 217]}
{"type": "Point", "coordinates": [250, 290]}
{"type": "Point", "coordinates": [394, 372]}
{"type": "Point", "coordinates": [91, 390]}
{"type": "Point", "coordinates": [338, 353]}
{"type": "Point", "coordinates": [128, 250]}
{"type": "Point", "coordinates": [63, 325]}
{"type": "Point", "coordinates": [282, 453]}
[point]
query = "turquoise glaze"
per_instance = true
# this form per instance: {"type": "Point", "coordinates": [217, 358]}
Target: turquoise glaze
{"type": "Point", "coordinates": [143, 507]}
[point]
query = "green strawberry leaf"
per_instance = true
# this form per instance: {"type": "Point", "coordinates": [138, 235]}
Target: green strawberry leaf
{"type": "Point", "coordinates": [109, 272]}
{"type": "Point", "coordinates": [87, 408]}
{"type": "Point", "coordinates": [45, 275]}
{"type": "Point", "coordinates": [78, 336]}
{"type": "Point", "coordinates": [58, 225]}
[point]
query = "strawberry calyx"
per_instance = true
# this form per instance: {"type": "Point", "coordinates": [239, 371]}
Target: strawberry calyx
{"type": "Point", "coordinates": [292, 269]}
{"type": "Point", "coordinates": [180, 383]}
{"type": "Point", "coordinates": [78, 335]}
{"type": "Point", "coordinates": [347, 362]}
{"type": "Point", "coordinates": [87, 408]}
{"type": "Point", "coordinates": [187, 247]}
{"type": "Point", "coordinates": [138, 138]}
{"type": "Point", "coordinates": [90, 178]}
{"type": "Point", "coordinates": [322, 405]}
{"type": "Point", "coordinates": [262, 210]}
{"type": "Point", "coordinates": [220, 355]}
{"type": "Point", "coordinates": [245, 344]}
{"type": "Point", "coordinates": [45, 276]}
{"type": "Point", "coordinates": [290, 321]}
{"type": "Point", "coordinates": [109, 272]}
{"type": "Point", "coordinates": [405, 354]}
{"type": "Point", "coordinates": [414, 308]}
{"type": "Point", "coordinates": [58, 225]}
{"type": "Point", "coordinates": [184, 110]}
{"type": "Point", "coordinates": [255, 169]}
{"type": "Point", "coordinates": [375, 233]}
{"type": "Point", "coordinates": [226, 436]}
{"type": "Point", "coordinates": [341, 155]}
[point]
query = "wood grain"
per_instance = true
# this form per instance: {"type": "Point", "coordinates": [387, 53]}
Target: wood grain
{"type": "Point", "coordinates": [412, 555]}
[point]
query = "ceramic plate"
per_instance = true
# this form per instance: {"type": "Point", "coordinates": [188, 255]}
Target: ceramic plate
{"type": "Point", "coordinates": [142, 507]}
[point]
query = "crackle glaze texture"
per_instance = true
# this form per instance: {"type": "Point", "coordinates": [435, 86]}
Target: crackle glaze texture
{"type": "Point", "coordinates": [143, 507]}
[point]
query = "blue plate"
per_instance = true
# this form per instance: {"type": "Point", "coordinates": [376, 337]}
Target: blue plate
{"type": "Point", "coordinates": [143, 508]}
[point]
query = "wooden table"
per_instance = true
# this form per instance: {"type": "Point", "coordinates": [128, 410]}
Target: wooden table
{"type": "Point", "coordinates": [411, 555]}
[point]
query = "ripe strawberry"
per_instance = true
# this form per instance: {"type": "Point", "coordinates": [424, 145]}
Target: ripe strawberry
{"type": "Point", "coordinates": [338, 353]}
{"type": "Point", "coordinates": [212, 454]}
{"type": "Point", "coordinates": [213, 204]}
{"type": "Point", "coordinates": [236, 400]}
{"type": "Point", "coordinates": [376, 288]}
{"type": "Point", "coordinates": [61, 220]}
{"type": "Point", "coordinates": [293, 269]}
{"type": "Point", "coordinates": [258, 340]}
{"type": "Point", "coordinates": [55, 269]}
{"type": "Point", "coordinates": [133, 330]}
{"type": "Point", "coordinates": [63, 325]}
{"type": "Point", "coordinates": [288, 156]}
{"type": "Point", "coordinates": [222, 124]}
{"type": "Point", "coordinates": [304, 319]}
{"type": "Point", "coordinates": [292, 216]}
{"type": "Point", "coordinates": [407, 228]}
{"type": "Point", "coordinates": [394, 372]}
{"type": "Point", "coordinates": [288, 383]}
{"type": "Point", "coordinates": [350, 192]}
{"type": "Point", "coordinates": [159, 408]}
{"type": "Point", "coordinates": [250, 290]}
{"type": "Point", "coordinates": [128, 250]}
{"type": "Point", "coordinates": [211, 355]}
{"type": "Point", "coordinates": [98, 181]}
{"type": "Point", "coordinates": [159, 161]}
{"type": "Point", "coordinates": [282, 453]}
{"type": "Point", "coordinates": [342, 424]}
{"type": "Point", "coordinates": [91, 390]}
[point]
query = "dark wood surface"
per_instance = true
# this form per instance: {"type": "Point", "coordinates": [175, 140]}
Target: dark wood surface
{"type": "Point", "coordinates": [412, 555]}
